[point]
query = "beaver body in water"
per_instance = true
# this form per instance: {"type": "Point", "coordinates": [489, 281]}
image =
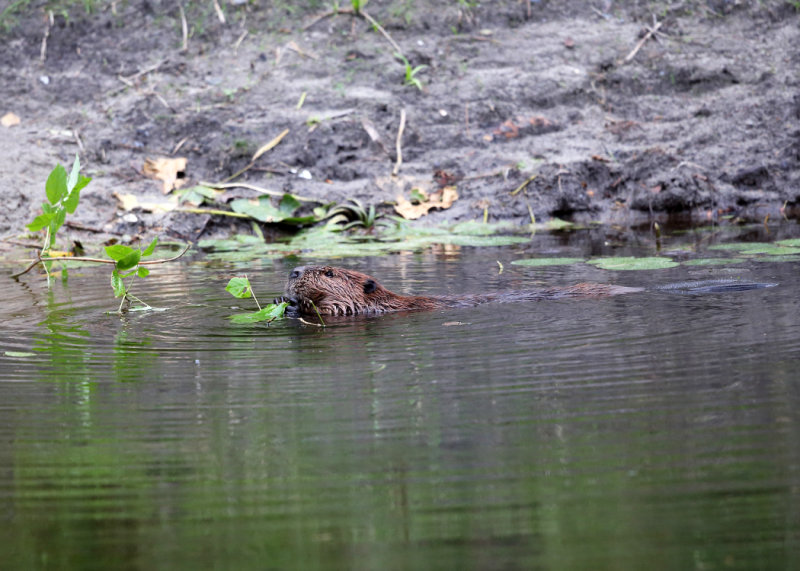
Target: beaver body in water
{"type": "Point", "coordinates": [338, 291]}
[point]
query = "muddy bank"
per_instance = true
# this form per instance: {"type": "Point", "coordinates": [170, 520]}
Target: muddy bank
{"type": "Point", "coordinates": [703, 120]}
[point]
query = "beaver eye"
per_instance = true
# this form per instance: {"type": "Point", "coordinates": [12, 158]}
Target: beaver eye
{"type": "Point", "coordinates": [329, 273]}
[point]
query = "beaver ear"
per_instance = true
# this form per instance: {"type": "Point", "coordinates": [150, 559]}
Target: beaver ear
{"type": "Point", "coordinates": [369, 286]}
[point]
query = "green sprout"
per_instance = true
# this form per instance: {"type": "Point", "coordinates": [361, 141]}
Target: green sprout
{"type": "Point", "coordinates": [411, 78]}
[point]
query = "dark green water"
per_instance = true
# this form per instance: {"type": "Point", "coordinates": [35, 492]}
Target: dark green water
{"type": "Point", "coordinates": [651, 430]}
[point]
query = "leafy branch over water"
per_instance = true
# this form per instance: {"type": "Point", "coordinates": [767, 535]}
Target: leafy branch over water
{"type": "Point", "coordinates": [63, 195]}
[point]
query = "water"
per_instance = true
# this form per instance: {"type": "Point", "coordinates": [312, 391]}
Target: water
{"type": "Point", "coordinates": [649, 430]}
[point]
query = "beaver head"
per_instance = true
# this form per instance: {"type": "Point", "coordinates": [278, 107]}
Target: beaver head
{"type": "Point", "coordinates": [338, 291]}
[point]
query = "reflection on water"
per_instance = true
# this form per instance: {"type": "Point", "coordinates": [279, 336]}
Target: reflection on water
{"type": "Point", "coordinates": [647, 429]}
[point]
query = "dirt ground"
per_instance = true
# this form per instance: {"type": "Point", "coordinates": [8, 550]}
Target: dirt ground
{"type": "Point", "coordinates": [702, 121]}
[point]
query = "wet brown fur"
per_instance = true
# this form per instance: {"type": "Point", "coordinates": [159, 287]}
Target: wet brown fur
{"type": "Point", "coordinates": [338, 291]}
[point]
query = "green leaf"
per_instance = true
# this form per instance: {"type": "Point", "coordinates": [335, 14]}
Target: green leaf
{"type": "Point", "coordinates": [129, 261]}
{"type": "Point", "coordinates": [288, 204]}
{"type": "Point", "coordinates": [71, 203]}
{"type": "Point", "coordinates": [117, 285]}
{"type": "Point", "coordinates": [239, 287]}
{"type": "Point", "coordinates": [82, 182]}
{"type": "Point", "coordinates": [56, 185]}
{"type": "Point", "coordinates": [41, 221]}
{"type": "Point", "coordinates": [19, 354]}
{"type": "Point", "coordinates": [142, 272]}
{"type": "Point", "coordinates": [149, 250]}
{"type": "Point", "coordinates": [262, 211]}
{"type": "Point", "coordinates": [268, 313]}
{"type": "Point", "coordinates": [72, 179]}
{"type": "Point", "coordinates": [629, 263]}
{"type": "Point", "coordinates": [118, 251]}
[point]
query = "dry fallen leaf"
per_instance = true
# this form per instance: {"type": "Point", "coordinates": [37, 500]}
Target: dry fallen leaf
{"type": "Point", "coordinates": [442, 199]}
{"type": "Point", "coordinates": [171, 172]}
{"type": "Point", "coordinates": [130, 202]}
{"type": "Point", "coordinates": [9, 120]}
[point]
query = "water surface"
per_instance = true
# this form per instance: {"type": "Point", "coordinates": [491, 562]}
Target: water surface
{"type": "Point", "coordinates": [649, 430]}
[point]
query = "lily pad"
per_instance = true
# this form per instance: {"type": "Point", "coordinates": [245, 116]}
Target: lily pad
{"type": "Point", "coordinates": [752, 248]}
{"type": "Point", "coordinates": [777, 259]}
{"type": "Point", "coordinates": [791, 243]}
{"type": "Point", "coordinates": [631, 263]}
{"type": "Point", "coordinates": [538, 262]}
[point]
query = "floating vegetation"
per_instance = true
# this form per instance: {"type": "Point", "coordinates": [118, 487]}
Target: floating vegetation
{"type": "Point", "coordinates": [753, 248]}
{"type": "Point", "coordinates": [540, 262]}
{"type": "Point", "coordinates": [630, 263]}
{"type": "Point", "coordinates": [332, 242]}
{"type": "Point", "coordinates": [787, 258]}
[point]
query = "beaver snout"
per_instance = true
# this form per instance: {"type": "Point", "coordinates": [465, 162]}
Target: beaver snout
{"type": "Point", "coordinates": [297, 272]}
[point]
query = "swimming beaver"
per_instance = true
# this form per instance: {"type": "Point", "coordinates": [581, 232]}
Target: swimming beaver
{"type": "Point", "coordinates": [338, 291]}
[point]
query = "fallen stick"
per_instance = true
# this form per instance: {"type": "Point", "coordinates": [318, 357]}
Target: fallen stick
{"type": "Point", "coordinates": [647, 36]}
{"type": "Point", "coordinates": [258, 189]}
{"type": "Point", "coordinates": [184, 30]}
{"type": "Point", "coordinates": [43, 51]}
{"type": "Point", "coordinates": [398, 144]}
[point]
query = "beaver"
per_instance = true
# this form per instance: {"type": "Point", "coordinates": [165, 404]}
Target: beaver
{"type": "Point", "coordinates": [339, 291]}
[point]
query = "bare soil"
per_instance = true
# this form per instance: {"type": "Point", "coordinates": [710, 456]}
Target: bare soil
{"type": "Point", "coordinates": [702, 121]}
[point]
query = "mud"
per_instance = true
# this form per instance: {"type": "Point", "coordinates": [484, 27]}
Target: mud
{"type": "Point", "coordinates": [703, 121]}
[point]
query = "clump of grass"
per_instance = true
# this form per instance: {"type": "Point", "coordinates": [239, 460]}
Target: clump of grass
{"type": "Point", "coordinates": [355, 214]}
{"type": "Point", "coordinates": [411, 78]}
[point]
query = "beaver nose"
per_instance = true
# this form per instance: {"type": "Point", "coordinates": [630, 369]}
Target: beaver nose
{"type": "Point", "coordinates": [296, 273]}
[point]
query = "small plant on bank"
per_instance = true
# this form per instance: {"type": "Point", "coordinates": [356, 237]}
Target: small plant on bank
{"type": "Point", "coordinates": [357, 215]}
{"type": "Point", "coordinates": [411, 78]}
{"type": "Point", "coordinates": [240, 288]}
{"type": "Point", "coordinates": [63, 194]}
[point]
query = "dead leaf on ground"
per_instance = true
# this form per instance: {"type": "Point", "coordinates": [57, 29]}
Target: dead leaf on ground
{"type": "Point", "coordinates": [172, 172]}
{"type": "Point", "coordinates": [442, 199]}
{"type": "Point", "coordinates": [9, 120]}
{"type": "Point", "coordinates": [130, 202]}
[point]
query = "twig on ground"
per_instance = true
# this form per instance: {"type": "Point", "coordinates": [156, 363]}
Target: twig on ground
{"type": "Point", "coordinates": [398, 144]}
{"type": "Point", "coordinates": [211, 211]}
{"type": "Point", "coordinates": [372, 21]}
{"type": "Point", "coordinates": [184, 30]}
{"type": "Point", "coordinates": [43, 50]}
{"type": "Point", "coordinates": [258, 189]}
{"type": "Point", "coordinates": [179, 145]}
{"type": "Point", "coordinates": [327, 14]}
{"type": "Point", "coordinates": [239, 41]}
{"type": "Point", "coordinates": [85, 228]}
{"type": "Point", "coordinates": [78, 140]}
{"type": "Point", "coordinates": [529, 180]}
{"type": "Point", "coordinates": [220, 13]}
{"type": "Point", "coordinates": [647, 36]}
